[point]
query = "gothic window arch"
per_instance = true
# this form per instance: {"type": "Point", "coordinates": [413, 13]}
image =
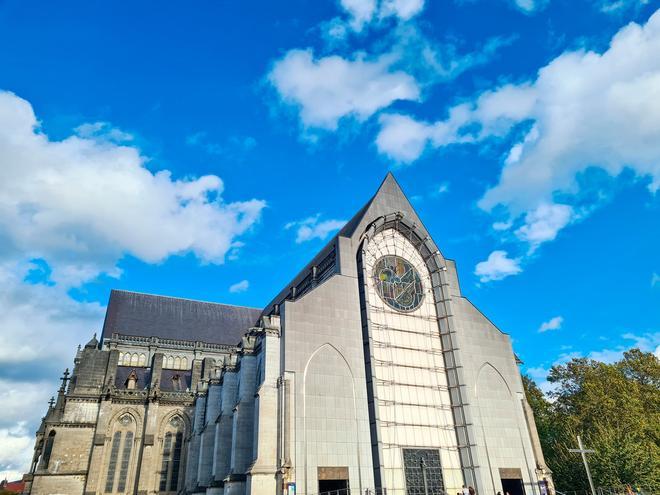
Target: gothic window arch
{"type": "Point", "coordinates": [121, 450]}
{"type": "Point", "coordinates": [48, 449]}
{"type": "Point", "coordinates": [142, 361]}
{"type": "Point", "coordinates": [170, 362]}
{"type": "Point", "coordinates": [177, 363]}
{"type": "Point", "coordinates": [171, 472]}
{"type": "Point", "coordinates": [134, 359]}
{"type": "Point", "coordinates": [184, 363]}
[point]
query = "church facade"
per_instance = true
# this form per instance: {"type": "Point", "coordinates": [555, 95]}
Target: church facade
{"type": "Point", "coordinates": [369, 373]}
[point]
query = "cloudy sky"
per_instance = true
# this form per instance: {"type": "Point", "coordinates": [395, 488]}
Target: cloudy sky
{"type": "Point", "coordinates": [208, 151]}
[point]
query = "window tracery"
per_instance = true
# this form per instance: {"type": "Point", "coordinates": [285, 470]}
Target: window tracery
{"type": "Point", "coordinates": [170, 472]}
{"type": "Point", "coordinates": [121, 449]}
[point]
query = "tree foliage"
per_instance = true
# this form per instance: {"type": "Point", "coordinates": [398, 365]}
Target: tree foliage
{"type": "Point", "coordinates": [615, 408]}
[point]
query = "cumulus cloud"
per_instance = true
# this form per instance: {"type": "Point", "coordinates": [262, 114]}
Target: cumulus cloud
{"type": "Point", "coordinates": [362, 12]}
{"type": "Point", "coordinates": [85, 201]}
{"type": "Point", "coordinates": [497, 267]}
{"type": "Point", "coordinates": [588, 109]}
{"type": "Point", "coordinates": [655, 279]}
{"type": "Point", "coordinates": [241, 286]}
{"type": "Point", "coordinates": [312, 228]}
{"type": "Point", "coordinates": [544, 222]}
{"type": "Point", "coordinates": [328, 89]}
{"type": "Point", "coordinates": [584, 110]}
{"type": "Point", "coordinates": [552, 324]}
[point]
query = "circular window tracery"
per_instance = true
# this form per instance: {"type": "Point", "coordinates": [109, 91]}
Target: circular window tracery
{"type": "Point", "coordinates": [398, 283]}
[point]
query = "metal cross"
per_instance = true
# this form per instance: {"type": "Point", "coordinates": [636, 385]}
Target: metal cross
{"type": "Point", "coordinates": [65, 378]}
{"type": "Point", "coordinates": [583, 452]}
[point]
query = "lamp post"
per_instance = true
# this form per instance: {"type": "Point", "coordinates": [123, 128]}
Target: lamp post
{"type": "Point", "coordinates": [583, 452]}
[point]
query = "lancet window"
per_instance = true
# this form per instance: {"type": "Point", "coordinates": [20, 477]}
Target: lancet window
{"type": "Point", "coordinates": [170, 472]}
{"type": "Point", "coordinates": [121, 449]}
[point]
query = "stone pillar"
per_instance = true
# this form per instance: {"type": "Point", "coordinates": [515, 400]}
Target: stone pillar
{"type": "Point", "coordinates": [262, 475]}
{"type": "Point", "coordinates": [243, 422]}
{"type": "Point", "coordinates": [192, 465]}
{"type": "Point", "coordinates": [208, 433]}
{"type": "Point", "coordinates": [196, 374]}
{"type": "Point", "coordinates": [224, 424]}
{"type": "Point", "coordinates": [156, 370]}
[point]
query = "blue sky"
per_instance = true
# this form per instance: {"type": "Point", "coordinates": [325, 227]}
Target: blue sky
{"type": "Point", "coordinates": [209, 150]}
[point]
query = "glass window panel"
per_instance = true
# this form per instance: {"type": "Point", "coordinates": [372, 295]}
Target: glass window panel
{"type": "Point", "coordinates": [112, 465]}
{"type": "Point", "coordinates": [167, 446]}
{"type": "Point", "coordinates": [176, 462]}
{"type": "Point", "coordinates": [398, 283]}
{"type": "Point", "coordinates": [423, 472]}
{"type": "Point", "coordinates": [125, 458]}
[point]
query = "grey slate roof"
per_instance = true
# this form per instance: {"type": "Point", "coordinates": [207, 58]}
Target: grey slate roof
{"type": "Point", "coordinates": [147, 315]}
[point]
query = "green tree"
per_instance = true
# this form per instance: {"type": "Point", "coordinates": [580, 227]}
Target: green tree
{"type": "Point", "coordinates": [616, 410]}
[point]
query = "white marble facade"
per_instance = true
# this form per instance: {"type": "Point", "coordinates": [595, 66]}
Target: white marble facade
{"type": "Point", "coordinates": [334, 387]}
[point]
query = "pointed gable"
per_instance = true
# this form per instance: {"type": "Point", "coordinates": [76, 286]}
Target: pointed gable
{"type": "Point", "coordinates": [389, 199]}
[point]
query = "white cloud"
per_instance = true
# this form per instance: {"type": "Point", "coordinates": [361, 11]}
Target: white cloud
{"type": "Point", "coordinates": [311, 228]}
{"type": "Point", "coordinates": [647, 342]}
{"type": "Point", "coordinates": [363, 12]}
{"type": "Point", "coordinates": [103, 131]}
{"type": "Point", "coordinates": [241, 286]}
{"type": "Point", "coordinates": [605, 6]}
{"type": "Point", "coordinates": [543, 223]}
{"type": "Point", "coordinates": [40, 327]}
{"type": "Point", "coordinates": [83, 202]}
{"type": "Point", "coordinates": [497, 267]}
{"type": "Point", "coordinates": [552, 324]}
{"type": "Point", "coordinates": [328, 89]}
{"type": "Point", "coordinates": [40, 320]}
{"type": "Point", "coordinates": [655, 279]}
{"type": "Point", "coordinates": [440, 189]}
{"type": "Point", "coordinates": [584, 109]}
{"type": "Point", "coordinates": [23, 404]}
{"type": "Point", "coordinates": [16, 452]}
{"type": "Point", "coordinates": [530, 6]}
{"type": "Point", "coordinates": [618, 6]}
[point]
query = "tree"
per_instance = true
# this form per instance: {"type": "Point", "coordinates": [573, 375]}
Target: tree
{"type": "Point", "coordinates": [616, 410]}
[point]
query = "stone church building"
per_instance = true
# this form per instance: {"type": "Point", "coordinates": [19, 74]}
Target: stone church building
{"type": "Point", "coordinates": [369, 373]}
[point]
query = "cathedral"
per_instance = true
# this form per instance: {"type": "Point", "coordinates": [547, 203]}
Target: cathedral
{"type": "Point", "coordinates": [368, 374]}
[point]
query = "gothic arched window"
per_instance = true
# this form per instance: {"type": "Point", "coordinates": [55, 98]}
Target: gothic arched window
{"type": "Point", "coordinates": [184, 363]}
{"type": "Point", "coordinates": [171, 461]}
{"type": "Point", "coordinates": [142, 361]}
{"type": "Point", "coordinates": [48, 449]}
{"type": "Point", "coordinates": [135, 359]}
{"type": "Point", "coordinates": [120, 455]}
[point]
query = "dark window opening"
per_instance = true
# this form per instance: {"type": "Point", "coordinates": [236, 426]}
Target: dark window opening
{"type": "Point", "coordinates": [333, 487]}
{"type": "Point", "coordinates": [512, 486]}
{"type": "Point", "coordinates": [48, 449]}
{"type": "Point", "coordinates": [167, 446]}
